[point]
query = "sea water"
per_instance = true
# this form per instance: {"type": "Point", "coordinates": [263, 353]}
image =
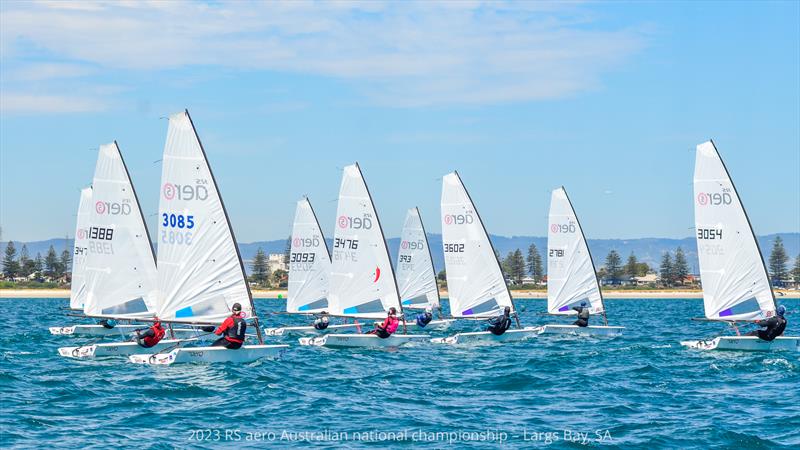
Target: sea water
{"type": "Point", "coordinates": [641, 390]}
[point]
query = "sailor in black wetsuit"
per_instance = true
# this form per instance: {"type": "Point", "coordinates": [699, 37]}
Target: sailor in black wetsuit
{"type": "Point", "coordinates": [425, 318]}
{"type": "Point", "coordinates": [107, 323]}
{"type": "Point", "coordinates": [583, 315]}
{"type": "Point", "coordinates": [499, 324]}
{"type": "Point", "coordinates": [233, 328]}
{"type": "Point", "coordinates": [774, 326]}
{"type": "Point", "coordinates": [321, 323]}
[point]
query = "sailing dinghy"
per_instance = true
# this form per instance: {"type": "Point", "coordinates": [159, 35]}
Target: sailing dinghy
{"type": "Point", "coordinates": [309, 268]}
{"type": "Point", "coordinates": [475, 280]}
{"type": "Point", "coordinates": [120, 268]}
{"type": "Point", "coordinates": [736, 286]}
{"type": "Point", "coordinates": [416, 278]}
{"type": "Point", "coordinates": [362, 284]}
{"type": "Point", "coordinates": [571, 276]}
{"type": "Point", "coordinates": [200, 270]}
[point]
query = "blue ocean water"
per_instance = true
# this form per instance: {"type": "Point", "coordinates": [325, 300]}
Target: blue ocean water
{"type": "Point", "coordinates": [641, 390]}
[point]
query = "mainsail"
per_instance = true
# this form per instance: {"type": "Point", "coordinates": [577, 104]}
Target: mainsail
{"type": "Point", "coordinates": [474, 279]}
{"type": "Point", "coordinates": [77, 293]}
{"type": "Point", "coordinates": [200, 273]}
{"type": "Point", "coordinates": [571, 278]}
{"type": "Point", "coordinates": [416, 279]}
{"type": "Point", "coordinates": [309, 263]}
{"type": "Point", "coordinates": [735, 282]}
{"type": "Point", "coordinates": [120, 273]}
{"type": "Point", "coordinates": [362, 282]}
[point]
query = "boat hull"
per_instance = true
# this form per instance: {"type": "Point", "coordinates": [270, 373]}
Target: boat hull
{"type": "Point", "coordinates": [94, 330]}
{"type": "Point", "coordinates": [746, 343]}
{"type": "Point", "coordinates": [433, 325]}
{"type": "Point", "coordinates": [362, 340]}
{"type": "Point", "coordinates": [582, 331]}
{"type": "Point", "coordinates": [477, 337]}
{"type": "Point", "coordinates": [247, 353]}
{"type": "Point", "coordinates": [116, 349]}
{"type": "Point", "coordinates": [284, 331]}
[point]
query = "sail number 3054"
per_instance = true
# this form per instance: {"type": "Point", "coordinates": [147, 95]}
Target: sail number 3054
{"type": "Point", "coordinates": [709, 233]}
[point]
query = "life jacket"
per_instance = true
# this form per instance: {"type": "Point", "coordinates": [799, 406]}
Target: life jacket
{"type": "Point", "coordinates": [150, 341]}
{"type": "Point", "coordinates": [776, 330]}
{"type": "Point", "coordinates": [320, 324]}
{"type": "Point", "coordinates": [391, 327]}
{"type": "Point", "coordinates": [236, 332]}
{"type": "Point", "coordinates": [108, 323]}
{"type": "Point", "coordinates": [424, 319]}
{"type": "Point", "coordinates": [500, 325]}
{"type": "Point", "coordinates": [584, 314]}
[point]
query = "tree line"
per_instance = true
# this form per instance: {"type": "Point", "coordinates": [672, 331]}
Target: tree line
{"type": "Point", "coordinates": [51, 267]}
{"type": "Point", "coordinates": [261, 275]}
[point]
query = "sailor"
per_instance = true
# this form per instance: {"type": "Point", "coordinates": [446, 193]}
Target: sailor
{"type": "Point", "coordinates": [389, 326]}
{"type": "Point", "coordinates": [583, 315]}
{"type": "Point", "coordinates": [499, 324]}
{"type": "Point", "coordinates": [424, 318]}
{"type": "Point", "coordinates": [774, 326]}
{"type": "Point", "coordinates": [234, 328]}
{"type": "Point", "coordinates": [321, 323]}
{"type": "Point", "coordinates": [151, 336]}
{"type": "Point", "coordinates": [107, 323]}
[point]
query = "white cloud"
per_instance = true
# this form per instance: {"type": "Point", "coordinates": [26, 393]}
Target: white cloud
{"type": "Point", "coordinates": [13, 103]}
{"type": "Point", "coordinates": [409, 54]}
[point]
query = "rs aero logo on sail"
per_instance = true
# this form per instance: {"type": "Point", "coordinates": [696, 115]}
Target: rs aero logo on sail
{"type": "Point", "coordinates": [355, 223]}
{"type": "Point", "coordinates": [122, 208]}
{"type": "Point", "coordinates": [459, 219]}
{"type": "Point", "coordinates": [196, 191]}
{"type": "Point", "coordinates": [715, 198]}
{"type": "Point", "coordinates": [564, 227]}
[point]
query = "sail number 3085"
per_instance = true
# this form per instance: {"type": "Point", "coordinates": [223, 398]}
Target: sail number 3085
{"type": "Point", "coordinates": [177, 221]}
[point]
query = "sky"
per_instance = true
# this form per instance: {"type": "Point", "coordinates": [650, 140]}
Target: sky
{"type": "Point", "coordinates": [607, 99]}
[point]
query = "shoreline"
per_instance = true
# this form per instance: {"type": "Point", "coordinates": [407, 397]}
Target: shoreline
{"type": "Point", "coordinates": [269, 294]}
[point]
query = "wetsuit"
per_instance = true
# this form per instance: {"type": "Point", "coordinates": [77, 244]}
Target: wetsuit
{"type": "Point", "coordinates": [774, 328]}
{"type": "Point", "coordinates": [386, 329]}
{"type": "Point", "coordinates": [151, 336]}
{"type": "Point", "coordinates": [424, 319]}
{"type": "Point", "coordinates": [320, 324]}
{"type": "Point", "coordinates": [107, 323]}
{"type": "Point", "coordinates": [583, 316]}
{"type": "Point", "coordinates": [234, 328]}
{"type": "Point", "coordinates": [499, 324]}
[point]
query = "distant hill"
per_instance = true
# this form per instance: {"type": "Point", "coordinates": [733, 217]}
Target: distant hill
{"type": "Point", "coordinates": [648, 250]}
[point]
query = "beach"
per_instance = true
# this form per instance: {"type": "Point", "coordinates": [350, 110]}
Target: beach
{"type": "Point", "coordinates": [621, 294]}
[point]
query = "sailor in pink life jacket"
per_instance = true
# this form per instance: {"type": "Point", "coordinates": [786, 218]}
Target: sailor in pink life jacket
{"type": "Point", "coordinates": [388, 327]}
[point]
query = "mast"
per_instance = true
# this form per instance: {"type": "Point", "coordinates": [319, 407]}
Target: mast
{"type": "Point", "coordinates": [477, 214]}
{"type": "Point", "coordinates": [435, 283]}
{"type": "Point", "coordinates": [383, 241]}
{"type": "Point", "coordinates": [589, 252]}
{"type": "Point", "coordinates": [749, 224]}
{"type": "Point", "coordinates": [233, 235]}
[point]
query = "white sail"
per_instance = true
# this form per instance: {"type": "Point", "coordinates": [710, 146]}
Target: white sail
{"type": "Point", "coordinates": [309, 263]}
{"type": "Point", "coordinates": [571, 278]}
{"type": "Point", "coordinates": [732, 272]}
{"type": "Point", "coordinates": [362, 282]}
{"type": "Point", "coordinates": [200, 274]}
{"type": "Point", "coordinates": [120, 266]}
{"type": "Point", "coordinates": [416, 279]}
{"type": "Point", "coordinates": [475, 281]}
{"type": "Point", "coordinates": [77, 292]}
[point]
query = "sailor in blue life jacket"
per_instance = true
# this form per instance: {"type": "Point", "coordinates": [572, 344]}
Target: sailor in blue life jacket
{"type": "Point", "coordinates": [499, 324]}
{"type": "Point", "coordinates": [234, 328]}
{"type": "Point", "coordinates": [321, 323]}
{"type": "Point", "coordinates": [424, 318]}
{"type": "Point", "coordinates": [583, 315]}
{"type": "Point", "coordinates": [774, 326]}
{"type": "Point", "coordinates": [107, 323]}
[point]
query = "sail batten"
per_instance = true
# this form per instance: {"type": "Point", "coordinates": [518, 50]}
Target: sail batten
{"type": "Point", "coordinates": [735, 282]}
{"type": "Point", "coordinates": [309, 263]}
{"type": "Point", "coordinates": [571, 277]}
{"type": "Point", "coordinates": [475, 280]}
{"type": "Point", "coordinates": [362, 281]}
{"type": "Point", "coordinates": [416, 279]}
{"type": "Point", "coordinates": [200, 273]}
{"type": "Point", "coordinates": [120, 272]}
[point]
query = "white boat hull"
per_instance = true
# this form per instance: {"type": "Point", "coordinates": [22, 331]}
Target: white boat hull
{"type": "Point", "coordinates": [581, 331]}
{"type": "Point", "coordinates": [116, 349]}
{"type": "Point", "coordinates": [247, 353]}
{"type": "Point", "coordinates": [433, 325]}
{"type": "Point", "coordinates": [746, 343]}
{"type": "Point", "coordinates": [487, 337]}
{"type": "Point", "coordinates": [362, 340]}
{"type": "Point", "coordinates": [95, 330]}
{"type": "Point", "coordinates": [283, 331]}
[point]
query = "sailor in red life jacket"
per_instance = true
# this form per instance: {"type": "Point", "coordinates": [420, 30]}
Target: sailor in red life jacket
{"type": "Point", "coordinates": [389, 326]}
{"type": "Point", "coordinates": [151, 336]}
{"type": "Point", "coordinates": [234, 328]}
